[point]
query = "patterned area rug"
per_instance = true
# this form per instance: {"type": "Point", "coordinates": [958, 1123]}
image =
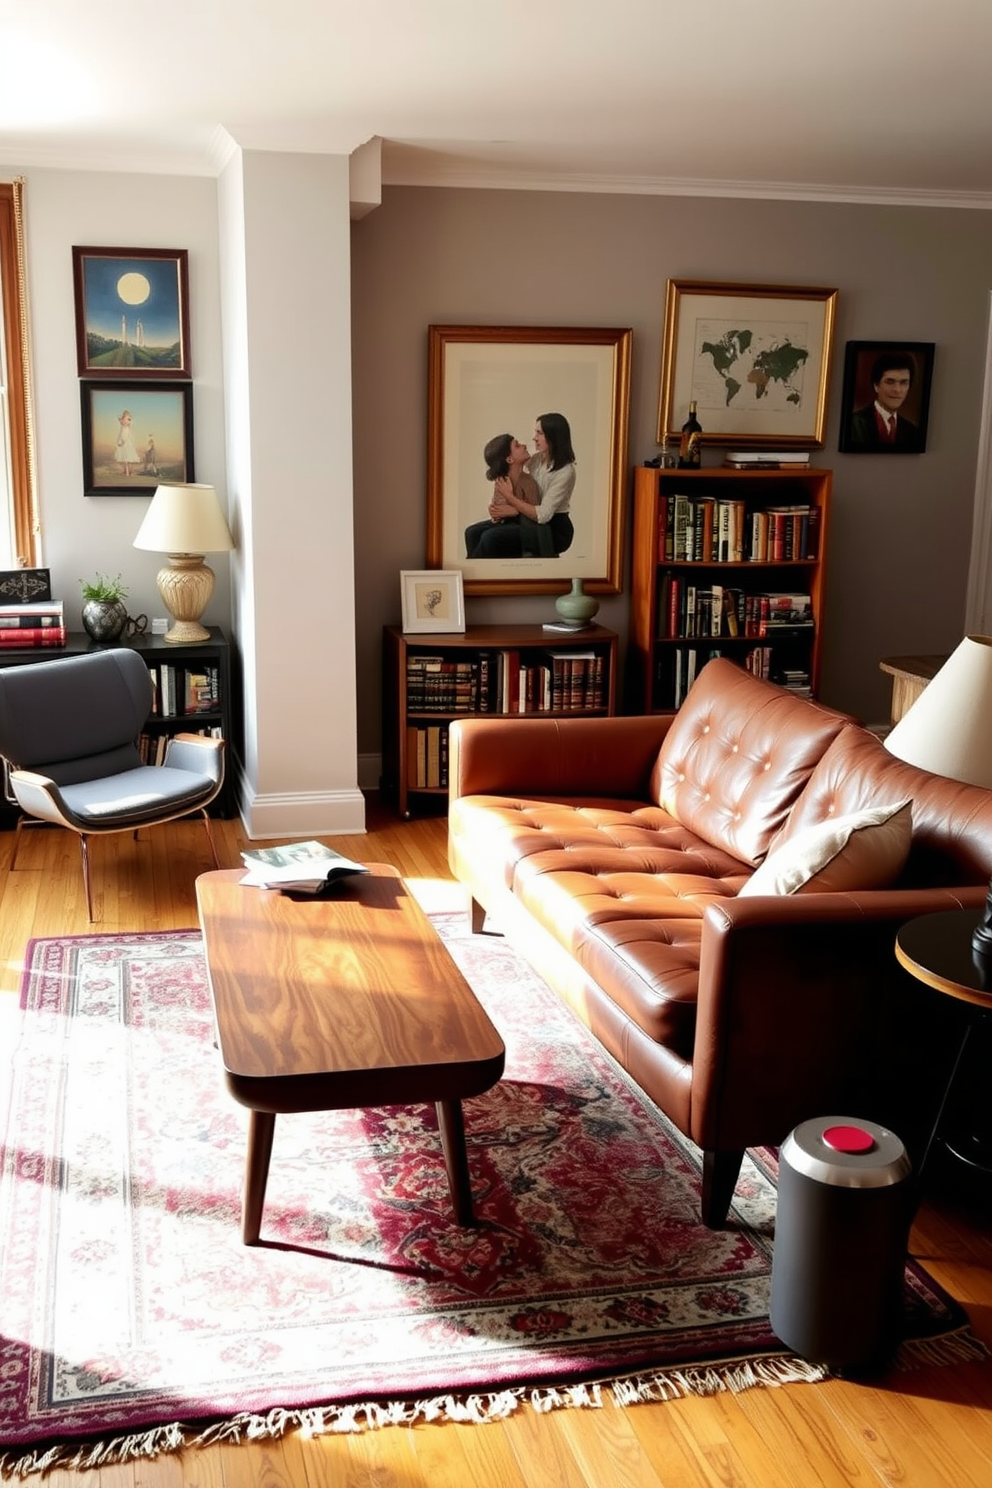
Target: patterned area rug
{"type": "Point", "coordinates": [132, 1319]}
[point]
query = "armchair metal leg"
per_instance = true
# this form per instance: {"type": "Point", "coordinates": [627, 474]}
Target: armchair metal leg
{"type": "Point", "coordinates": [17, 842]}
{"type": "Point", "coordinates": [210, 836]}
{"type": "Point", "coordinates": [83, 848]}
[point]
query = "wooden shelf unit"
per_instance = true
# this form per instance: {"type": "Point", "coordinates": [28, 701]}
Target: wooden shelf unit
{"type": "Point", "coordinates": [467, 672]}
{"type": "Point", "coordinates": [660, 664]}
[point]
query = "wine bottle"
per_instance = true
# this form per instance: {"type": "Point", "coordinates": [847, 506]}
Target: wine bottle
{"type": "Point", "coordinates": [689, 447]}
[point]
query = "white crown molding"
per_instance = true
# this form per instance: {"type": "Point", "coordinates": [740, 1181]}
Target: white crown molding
{"type": "Point", "coordinates": [118, 162]}
{"type": "Point", "coordinates": [454, 175]}
{"type": "Point", "coordinates": [446, 171]}
{"type": "Point", "coordinates": [222, 149]}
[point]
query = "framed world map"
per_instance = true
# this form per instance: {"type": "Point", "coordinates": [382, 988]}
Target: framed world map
{"type": "Point", "coordinates": [754, 358]}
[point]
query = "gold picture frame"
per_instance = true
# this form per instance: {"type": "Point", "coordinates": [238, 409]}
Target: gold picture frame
{"type": "Point", "coordinates": [487, 380]}
{"type": "Point", "coordinates": [754, 357]}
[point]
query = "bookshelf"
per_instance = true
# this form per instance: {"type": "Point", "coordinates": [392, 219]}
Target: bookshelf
{"type": "Point", "coordinates": [496, 671]}
{"type": "Point", "coordinates": [188, 707]}
{"type": "Point", "coordinates": [727, 562]}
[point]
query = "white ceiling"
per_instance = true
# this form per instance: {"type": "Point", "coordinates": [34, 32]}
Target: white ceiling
{"type": "Point", "coordinates": [849, 100]}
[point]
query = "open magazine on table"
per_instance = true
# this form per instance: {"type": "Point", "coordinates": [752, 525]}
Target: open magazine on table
{"type": "Point", "coordinates": [306, 867]}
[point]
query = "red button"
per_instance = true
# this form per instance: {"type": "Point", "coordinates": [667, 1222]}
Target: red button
{"type": "Point", "coordinates": [848, 1139]}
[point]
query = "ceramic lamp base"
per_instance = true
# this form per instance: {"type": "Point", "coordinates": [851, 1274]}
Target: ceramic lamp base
{"type": "Point", "coordinates": [186, 586]}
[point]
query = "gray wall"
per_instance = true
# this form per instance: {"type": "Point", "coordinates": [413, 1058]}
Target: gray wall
{"type": "Point", "coordinates": [901, 530]}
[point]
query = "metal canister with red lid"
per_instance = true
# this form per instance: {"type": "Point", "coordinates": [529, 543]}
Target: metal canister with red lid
{"type": "Point", "coordinates": [845, 1205]}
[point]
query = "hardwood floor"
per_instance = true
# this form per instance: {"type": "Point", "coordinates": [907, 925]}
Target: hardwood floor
{"type": "Point", "coordinates": [927, 1428]}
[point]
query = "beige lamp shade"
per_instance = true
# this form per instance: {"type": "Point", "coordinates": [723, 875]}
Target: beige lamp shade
{"type": "Point", "coordinates": [185, 521]}
{"type": "Point", "coordinates": [948, 730]}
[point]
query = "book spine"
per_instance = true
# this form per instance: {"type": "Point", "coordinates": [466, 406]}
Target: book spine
{"type": "Point", "coordinates": [34, 637]}
{"type": "Point", "coordinates": [9, 621]}
{"type": "Point", "coordinates": [412, 735]}
{"type": "Point", "coordinates": [716, 610]}
{"type": "Point", "coordinates": [433, 755]}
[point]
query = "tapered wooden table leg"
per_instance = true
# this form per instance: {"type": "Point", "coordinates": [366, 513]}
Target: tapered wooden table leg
{"type": "Point", "coordinates": [452, 1125]}
{"type": "Point", "coordinates": [261, 1130]}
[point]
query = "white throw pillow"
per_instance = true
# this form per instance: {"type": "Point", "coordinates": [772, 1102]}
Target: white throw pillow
{"type": "Point", "coordinates": [864, 850]}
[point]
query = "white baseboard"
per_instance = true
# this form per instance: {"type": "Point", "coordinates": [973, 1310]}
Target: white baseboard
{"type": "Point", "coordinates": [330, 814]}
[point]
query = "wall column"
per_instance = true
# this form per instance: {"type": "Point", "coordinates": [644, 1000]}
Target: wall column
{"type": "Point", "coordinates": [286, 316]}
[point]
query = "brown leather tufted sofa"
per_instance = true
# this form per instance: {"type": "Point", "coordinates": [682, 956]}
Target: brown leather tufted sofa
{"type": "Point", "coordinates": [611, 851]}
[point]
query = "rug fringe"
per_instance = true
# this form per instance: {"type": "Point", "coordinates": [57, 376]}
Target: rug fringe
{"type": "Point", "coordinates": [129, 1448]}
{"type": "Point", "coordinates": [734, 1376]}
{"type": "Point", "coordinates": [963, 1347]}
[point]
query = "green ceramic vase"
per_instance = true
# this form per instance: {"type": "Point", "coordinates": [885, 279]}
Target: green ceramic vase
{"type": "Point", "coordinates": [576, 607]}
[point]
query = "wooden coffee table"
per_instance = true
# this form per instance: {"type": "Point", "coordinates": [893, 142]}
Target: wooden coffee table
{"type": "Point", "coordinates": [349, 1001]}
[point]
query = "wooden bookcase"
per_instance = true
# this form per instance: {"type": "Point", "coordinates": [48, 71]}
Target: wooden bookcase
{"type": "Point", "coordinates": [210, 657]}
{"type": "Point", "coordinates": [673, 628]}
{"type": "Point", "coordinates": [429, 680]}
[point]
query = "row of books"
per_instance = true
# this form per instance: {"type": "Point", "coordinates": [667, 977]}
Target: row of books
{"type": "Point", "coordinates": [427, 756]}
{"type": "Point", "coordinates": [152, 746]}
{"type": "Point", "coordinates": [178, 691]}
{"type": "Point", "coordinates": [680, 668]}
{"type": "Point", "coordinates": [691, 610]}
{"type": "Point", "coordinates": [709, 529]}
{"type": "Point", "coordinates": [39, 623]}
{"type": "Point", "coordinates": [444, 684]}
{"type": "Point", "coordinates": [507, 681]}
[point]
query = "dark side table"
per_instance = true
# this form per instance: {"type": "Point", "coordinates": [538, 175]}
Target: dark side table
{"type": "Point", "coordinates": [936, 950]}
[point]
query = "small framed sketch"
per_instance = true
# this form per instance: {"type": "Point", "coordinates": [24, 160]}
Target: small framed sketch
{"type": "Point", "coordinates": [132, 312]}
{"type": "Point", "coordinates": [886, 400]}
{"type": "Point", "coordinates": [135, 435]}
{"type": "Point", "coordinates": [432, 599]}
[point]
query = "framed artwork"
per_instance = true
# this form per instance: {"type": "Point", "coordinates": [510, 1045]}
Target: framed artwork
{"type": "Point", "coordinates": [132, 312]}
{"type": "Point", "coordinates": [432, 599]}
{"type": "Point", "coordinates": [756, 359]}
{"type": "Point", "coordinates": [885, 404]}
{"type": "Point", "coordinates": [492, 383]}
{"type": "Point", "coordinates": [135, 436]}
{"type": "Point", "coordinates": [25, 585]}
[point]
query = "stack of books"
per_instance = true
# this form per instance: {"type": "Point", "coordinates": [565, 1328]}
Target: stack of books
{"type": "Point", "coordinates": [767, 459]}
{"type": "Point", "coordinates": [40, 623]}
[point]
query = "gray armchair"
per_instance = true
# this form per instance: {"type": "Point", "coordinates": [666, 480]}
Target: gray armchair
{"type": "Point", "coordinates": [69, 732]}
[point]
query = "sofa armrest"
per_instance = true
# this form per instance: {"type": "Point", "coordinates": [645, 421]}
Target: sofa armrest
{"type": "Point", "coordinates": [557, 757]}
{"type": "Point", "coordinates": [793, 991]}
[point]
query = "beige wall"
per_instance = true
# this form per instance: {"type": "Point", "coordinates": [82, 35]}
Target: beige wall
{"type": "Point", "coordinates": [898, 559]}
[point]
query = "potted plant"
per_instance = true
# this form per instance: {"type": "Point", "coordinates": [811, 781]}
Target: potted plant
{"type": "Point", "coordinates": [104, 614]}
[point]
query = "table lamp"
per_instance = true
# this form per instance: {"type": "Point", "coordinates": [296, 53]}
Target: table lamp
{"type": "Point", "coordinates": [948, 731]}
{"type": "Point", "coordinates": [185, 521]}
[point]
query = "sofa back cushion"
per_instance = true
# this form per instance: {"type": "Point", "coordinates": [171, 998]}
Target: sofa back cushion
{"type": "Point", "coordinates": [952, 823]}
{"type": "Point", "coordinates": [863, 850]}
{"type": "Point", "coordinates": [737, 756]}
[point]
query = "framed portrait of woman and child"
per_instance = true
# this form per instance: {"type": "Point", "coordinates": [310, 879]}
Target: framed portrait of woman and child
{"type": "Point", "coordinates": [526, 455]}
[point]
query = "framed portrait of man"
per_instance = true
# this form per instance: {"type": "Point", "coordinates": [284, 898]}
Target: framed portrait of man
{"type": "Point", "coordinates": [886, 399]}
